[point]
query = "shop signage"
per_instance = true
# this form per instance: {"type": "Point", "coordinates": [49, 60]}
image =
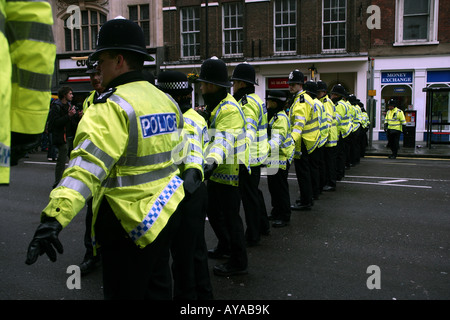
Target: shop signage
{"type": "Point", "coordinates": [396, 77]}
{"type": "Point", "coordinates": [278, 83]}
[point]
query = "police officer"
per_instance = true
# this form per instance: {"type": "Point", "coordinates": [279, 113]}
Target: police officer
{"type": "Point", "coordinates": [123, 159]}
{"type": "Point", "coordinates": [244, 81]}
{"type": "Point", "coordinates": [189, 253]}
{"type": "Point", "coordinates": [356, 129]}
{"type": "Point", "coordinates": [344, 125]}
{"type": "Point", "coordinates": [280, 158]}
{"type": "Point", "coordinates": [395, 120]}
{"type": "Point", "coordinates": [317, 156]}
{"type": "Point", "coordinates": [330, 145]}
{"type": "Point", "coordinates": [306, 135]}
{"type": "Point", "coordinates": [29, 51]}
{"type": "Point", "coordinates": [90, 261]}
{"type": "Point", "coordinates": [226, 149]}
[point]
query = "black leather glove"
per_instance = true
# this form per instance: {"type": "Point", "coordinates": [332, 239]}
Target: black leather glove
{"type": "Point", "coordinates": [45, 238]}
{"type": "Point", "coordinates": [22, 143]}
{"type": "Point", "coordinates": [192, 180]}
{"type": "Point", "coordinates": [209, 167]}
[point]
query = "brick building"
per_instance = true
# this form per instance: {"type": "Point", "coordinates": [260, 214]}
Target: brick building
{"type": "Point", "coordinates": [332, 40]}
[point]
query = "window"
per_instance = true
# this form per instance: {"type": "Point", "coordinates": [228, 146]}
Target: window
{"type": "Point", "coordinates": [84, 38]}
{"type": "Point", "coordinates": [285, 26]}
{"type": "Point", "coordinates": [334, 25]}
{"type": "Point", "coordinates": [190, 32]}
{"type": "Point", "coordinates": [141, 15]}
{"type": "Point", "coordinates": [232, 29]}
{"type": "Point", "coordinates": [416, 22]}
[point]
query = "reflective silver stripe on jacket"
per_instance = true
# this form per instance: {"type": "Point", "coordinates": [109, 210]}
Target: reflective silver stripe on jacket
{"type": "Point", "coordinates": [77, 185]}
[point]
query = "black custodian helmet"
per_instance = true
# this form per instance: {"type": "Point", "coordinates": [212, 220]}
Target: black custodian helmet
{"type": "Point", "coordinates": [311, 88]}
{"type": "Point", "coordinates": [296, 76]}
{"type": "Point", "coordinates": [339, 90]}
{"type": "Point", "coordinates": [121, 34]}
{"type": "Point", "coordinates": [174, 83]}
{"type": "Point", "coordinates": [214, 71]}
{"type": "Point", "coordinates": [322, 86]}
{"type": "Point", "coordinates": [244, 72]}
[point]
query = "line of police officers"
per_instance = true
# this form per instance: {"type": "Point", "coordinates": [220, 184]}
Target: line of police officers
{"type": "Point", "coordinates": [154, 168]}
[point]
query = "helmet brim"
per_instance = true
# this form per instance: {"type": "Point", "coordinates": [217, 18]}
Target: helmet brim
{"type": "Point", "coordinates": [245, 80]}
{"type": "Point", "coordinates": [226, 84]}
{"type": "Point", "coordinates": [146, 55]}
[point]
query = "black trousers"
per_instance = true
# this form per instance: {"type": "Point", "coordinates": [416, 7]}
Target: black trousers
{"type": "Point", "coordinates": [303, 173]}
{"type": "Point", "coordinates": [253, 203]}
{"type": "Point", "coordinates": [189, 253]}
{"type": "Point", "coordinates": [330, 166]}
{"type": "Point", "coordinates": [223, 214]}
{"type": "Point", "coordinates": [321, 167]}
{"type": "Point", "coordinates": [279, 194]}
{"type": "Point", "coordinates": [341, 156]}
{"type": "Point", "coordinates": [130, 272]}
{"type": "Point", "coordinates": [394, 141]}
{"type": "Point", "coordinates": [356, 146]}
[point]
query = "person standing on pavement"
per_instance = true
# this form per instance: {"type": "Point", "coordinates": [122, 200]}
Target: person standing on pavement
{"type": "Point", "coordinates": [344, 125]}
{"type": "Point", "coordinates": [226, 149]}
{"type": "Point", "coordinates": [330, 145]}
{"type": "Point", "coordinates": [90, 261]}
{"type": "Point", "coordinates": [395, 119]}
{"type": "Point", "coordinates": [59, 123]}
{"type": "Point", "coordinates": [124, 161]}
{"type": "Point", "coordinates": [244, 81]}
{"type": "Point", "coordinates": [189, 252]}
{"type": "Point", "coordinates": [281, 154]}
{"type": "Point", "coordinates": [306, 135]}
{"type": "Point", "coordinates": [27, 60]}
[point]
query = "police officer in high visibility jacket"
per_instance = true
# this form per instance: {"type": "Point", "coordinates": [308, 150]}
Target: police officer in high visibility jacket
{"type": "Point", "coordinates": [244, 81]}
{"type": "Point", "coordinates": [365, 128]}
{"type": "Point", "coordinates": [123, 159]}
{"type": "Point", "coordinates": [226, 149]}
{"type": "Point", "coordinates": [352, 100]}
{"type": "Point", "coordinates": [27, 56]}
{"type": "Point", "coordinates": [306, 135]}
{"type": "Point", "coordinates": [280, 158]}
{"type": "Point", "coordinates": [91, 261]}
{"type": "Point", "coordinates": [318, 163]}
{"type": "Point", "coordinates": [330, 145]}
{"type": "Point", "coordinates": [395, 120]}
{"type": "Point", "coordinates": [344, 125]}
{"type": "Point", "coordinates": [189, 252]}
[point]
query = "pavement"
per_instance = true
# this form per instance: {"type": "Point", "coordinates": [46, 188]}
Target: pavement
{"type": "Point", "coordinates": [379, 148]}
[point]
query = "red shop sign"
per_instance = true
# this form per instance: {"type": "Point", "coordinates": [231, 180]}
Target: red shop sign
{"type": "Point", "coordinates": [278, 83]}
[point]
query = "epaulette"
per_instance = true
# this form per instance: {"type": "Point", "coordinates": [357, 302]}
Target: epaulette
{"type": "Point", "coordinates": [302, 99]}
{"type": "Point", "coordinates": [244, 100]}
{"type": "Point", "coordinates": [104, 96]}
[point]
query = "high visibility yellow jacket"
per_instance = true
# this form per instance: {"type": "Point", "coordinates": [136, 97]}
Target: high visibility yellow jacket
{"type": "Point", "coordinates": [323, 122]}
{"type": "Point", "coordinates": [281, 144]}
{"type": "Point", "coordinates": [89, 100]}
{"type": "Point", "coordinates": [256, 131]}
{"type": "Point", "coordinates": [355, 113]}
{"type": "Point", "coordinates": [196, 132]}
{"type": "Point", "coordinates": [365, 122]}
{"type": "Point", "coordinates": [331, 119]}
{"type": "Point", "coordinates": [343, 119]}
{"type": "Point", "coordinates": [228, 144]}
{"type": "Point", "coordinates": [27, 57]}
{"type": "Point", "coordinates": [124, 155]}
{"type": "Point", "coordinates": [304, 122]}
{"type": "Point", "coordinates": [395, 119]}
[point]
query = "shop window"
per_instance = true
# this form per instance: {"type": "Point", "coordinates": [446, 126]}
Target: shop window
{"type": "Point", "coordinates": [441, 108]}
{"type": "Point", "coordinates": [401, 93]}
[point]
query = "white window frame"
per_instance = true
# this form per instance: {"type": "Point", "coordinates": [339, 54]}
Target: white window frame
{"type": "Point", "coordinates": [238, 31]}
{"type": "Point", "coordinates": [326, 23]}
{"type": "Point", "coordinates": [196, 33]}
{"type": "Point", "coordinates": [275, 26]}
{"type": "Point", "coordinates": [433, 19]}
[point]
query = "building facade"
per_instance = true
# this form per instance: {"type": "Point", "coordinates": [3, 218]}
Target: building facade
{"type": "Point", "coordinates": [411, 51]}
{"type": "Point", "coordinates": [394, 48]}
